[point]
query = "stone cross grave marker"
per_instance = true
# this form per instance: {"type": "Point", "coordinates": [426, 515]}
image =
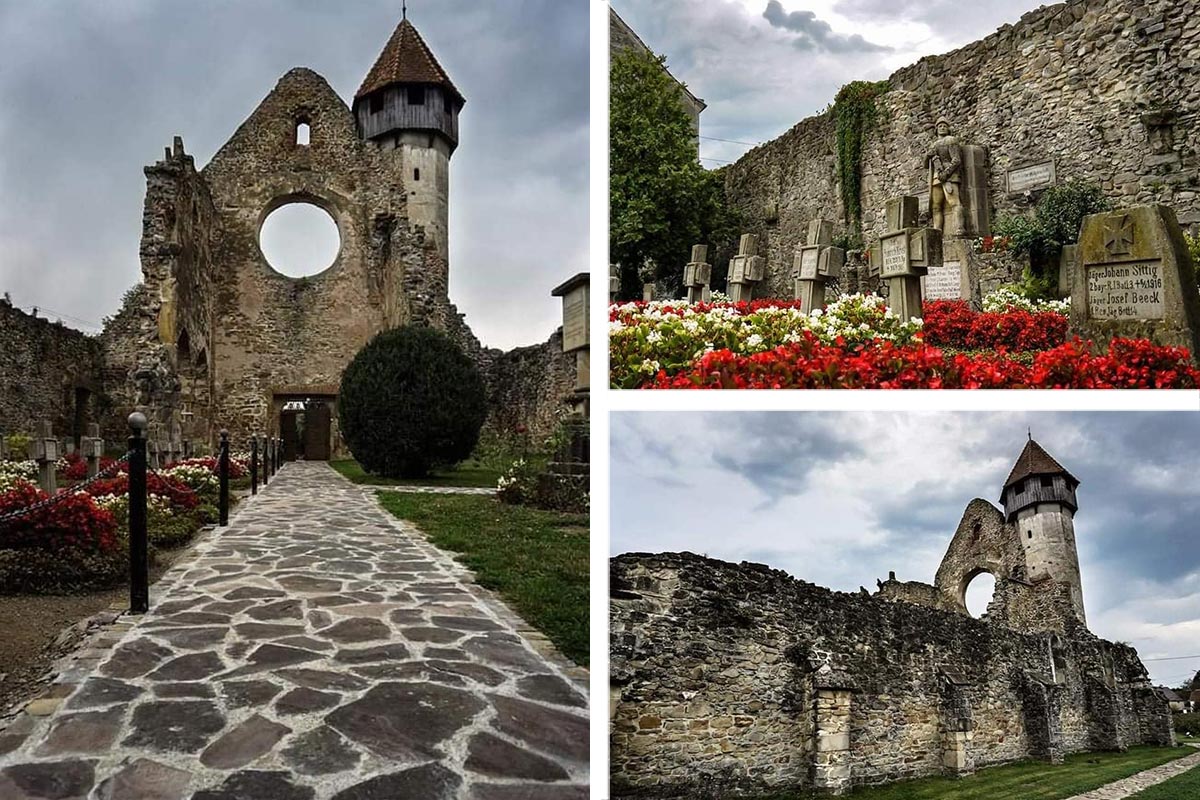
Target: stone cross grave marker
{"type": "Point", "coordinates": [697, 275]}
{"type": "Point", "coordinates": [93, 449]}
{"type": "Point", "coordinates": [614, 282]}
{"type": "Point", "coordinates": [745, 269]}
{"type": "Point", "coordinates": [46, 453]}
{"type": "Point", "coordinates": [176, 443]}
{"type": "Point", "coordinates": [904, 254]}
{"type": "Point", "coordinates": [3, 447]}
{"type": "Point", "coordinates": [817, 264]}
{"type": "Point", "coordinates": [647, 292]}
{"type": "Point", "coordinates": [1134, 278]}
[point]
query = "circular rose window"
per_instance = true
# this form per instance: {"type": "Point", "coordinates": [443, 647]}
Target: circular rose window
{"type": "Point", "coordinates": [299, 239]}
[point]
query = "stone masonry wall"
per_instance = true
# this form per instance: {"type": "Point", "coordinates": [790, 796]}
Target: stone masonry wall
{"type": "Point", "coordinates": [43, 365]}
{"type": "Point", "coordinates": [1106, 89]}
{"type": "Point", "coordinates": [725, 674]}
{"type": "Point", "coordinates": [529, 387]}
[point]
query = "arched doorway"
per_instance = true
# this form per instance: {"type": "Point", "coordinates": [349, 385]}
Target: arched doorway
{"type": "Point", "coordinates": [306, 428]}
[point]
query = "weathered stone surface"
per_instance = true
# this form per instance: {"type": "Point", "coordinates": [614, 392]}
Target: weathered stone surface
{"type": "Point", "coordinates": [490, 755]}
{"type": "Point", "coordinates": [321, 752]}
{"type": "Point", "coordinates": [403, 721]}
{"type": "Point", "coordinates": [51, 780]}
{"type": "Point", "coordinates": [365, 655]}
{"type": "Point", "coordinates": [249, 693]}
{"type": "Point", "coordinates": [134, 659]}
{"type": "Point", "coordinates": [194, 667]}
{"type": "Point", "coordinates": [102, 692]}
{"type": "Point", "coordinates": [305, 701]}
{"type": "Point", "coordinates": [244, 744]}
{"type": "Point", "coordinates": [145, 780]}
{"type": "Point", "coordinates": [546, 729]}
{"type": "Point", "coordinates": [322, 679]}
{"type": "Point", "coordinates": [358, 629]}
{"type": "Point", "coordinates": [428, 782]}
{"type": "Point", "coordinates": [182, 726]}
{"type": "Point", "coordinates": [256, 785]}
{"type": "Point", "coordinates": [527, 791]}
{"type": "Point", "coordinates": [466, 623]}
{"type": "Point", "coordinates": [88, 732]}
{"type": "Point", "coordinates": [550, 689]}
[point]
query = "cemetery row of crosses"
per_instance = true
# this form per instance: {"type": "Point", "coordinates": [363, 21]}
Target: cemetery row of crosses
{"type": "Point", "coordinates": [933, 297]}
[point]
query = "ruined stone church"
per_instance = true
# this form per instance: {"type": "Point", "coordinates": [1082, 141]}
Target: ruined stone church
{"type": "Point", "coordinates": [736, 678]}
{"type": "Point", "coordinates": [214, 337]}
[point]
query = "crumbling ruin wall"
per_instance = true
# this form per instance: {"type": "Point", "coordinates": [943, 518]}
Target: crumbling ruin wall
{"type": "Point", "coordinates": [1105, 89]}
{"type": "Point", "coordinates": [529, 388]}
{"type": "Point", "coordinates": [719, 670]}
{"type": "Point", "coordinates": [47, 372]}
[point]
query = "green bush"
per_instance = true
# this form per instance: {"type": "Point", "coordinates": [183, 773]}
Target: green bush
{"type": "Point", "coordinates": [1187, 724]}
{"type": "Point", "coordinates": [18, 446]}
{"type": "Point", "coordinates": [411, 401]}
{"type": "Point", "coordinates": [1056, 221]}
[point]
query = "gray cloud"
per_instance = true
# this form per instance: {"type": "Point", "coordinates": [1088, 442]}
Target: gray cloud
{"type": "Point", "coordinates": [851, 496]}
{"type": "Point", "coordinates": [814, 33]}
{"type": "Point", "coordinates": [77, 128]}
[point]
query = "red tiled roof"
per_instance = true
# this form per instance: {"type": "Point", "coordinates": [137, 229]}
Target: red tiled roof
{"type": "Point", "coordinates": [406, 59]}
{"type": "Point", "coordinates": [1035, 461]}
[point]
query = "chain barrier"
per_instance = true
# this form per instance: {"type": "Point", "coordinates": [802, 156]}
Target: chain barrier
{"type": "Point", "coordinates": [105, 474]}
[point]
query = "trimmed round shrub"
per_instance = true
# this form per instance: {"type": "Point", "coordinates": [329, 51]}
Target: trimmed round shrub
{"type": "Point", "coordinates": [410, 402]}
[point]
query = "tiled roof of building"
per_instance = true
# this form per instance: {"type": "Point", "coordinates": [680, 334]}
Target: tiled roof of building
{"type": "Point", "coordinates": [406, 59]}
{"type": "Point", "coordinates": [1034, 460]}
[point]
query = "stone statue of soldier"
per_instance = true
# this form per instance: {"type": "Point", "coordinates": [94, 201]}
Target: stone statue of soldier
{"type": "Point", "coordinates": [945, 163]}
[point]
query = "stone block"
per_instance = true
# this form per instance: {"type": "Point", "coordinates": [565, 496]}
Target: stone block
{"type": "Point", "coordinates": [902, 212]}
{"type": "Point", "coordinates": [820, 233]}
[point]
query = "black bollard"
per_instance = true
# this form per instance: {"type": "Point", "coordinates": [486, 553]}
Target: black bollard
{"type": "Point", "coordinates": [139, 561]}
{"type": "Point", "coordinates": [253, 465]}
{"type": "Point", "coordinates": [274, 455]}
{"type": "Point", "coordinates": [265, 466]}
{"type": "Point", "coordinates": [223, 474]}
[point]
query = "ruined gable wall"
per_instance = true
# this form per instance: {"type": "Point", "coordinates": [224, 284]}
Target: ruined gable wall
{"type": "Point", "coordinates": [41, 365]}
{"type": "Point", "coordinates": [695, 641]}
{"type": "Point", "coordinates": [529, 387]}
{"type": "Point", "coordinates": [1068, 82]}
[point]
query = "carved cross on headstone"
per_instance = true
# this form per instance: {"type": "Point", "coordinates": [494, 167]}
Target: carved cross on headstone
{"type": "Point", "coordinates": [46, 453]}
{"type": "Point", "coordinates": [816, 264]}
{"type": "Point", "coordinates": [697, 274]}
{"type": "Point", "coordinates": [904, 254]}
{"type": "Point", "coordinates": [93, 449]}
{"type": "Point", "coordinates": [745, 269]}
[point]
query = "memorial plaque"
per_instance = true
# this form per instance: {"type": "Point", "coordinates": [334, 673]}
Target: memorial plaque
{"type": "Point", "coordinates": [1031, 178]}
{"type": "Point", "coordinates": [944, 282]}
{"type": "Point", "coordinates": [1125, 291]}
{"type": "Point", "coordinates": [809, 261]}
{"type": "Point", "coordinates": [574, 294]}
{"type": "Point", "coordinates": [894, 251]}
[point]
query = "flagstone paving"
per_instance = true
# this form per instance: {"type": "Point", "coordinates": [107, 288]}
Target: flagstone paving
{"type": "Point", "coordinates": [1127, 787]}
{"type": "Point", "coordinates": [315, 648]}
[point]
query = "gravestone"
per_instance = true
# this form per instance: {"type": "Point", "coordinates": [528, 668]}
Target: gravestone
{"type": "Point", "coordinates": [745, 269]}
{"type": "Point", "coordinates": [3, 447]}
{"type": "Point", "coordinates": [175, 445]}
{"type": "Point", "coordinates": [1068, 262]}
{"type": "Point", "coordinates": [576, 294]}
{"type": "Point", "coordinates": [904, 255]}
{"type": "Point", "coordinates": [614, 282]}
{"type": "Point", "coordinates": [93, 449]}
{"type": "Point", "coordinates": [817, 264]}
{"type": "Point", "coordinates": [647, 292]}
{"type": "Point", "coordinates": [697, 275]}
{"type": "Point", "coordinates": [1135, 279]}
{"type": "Point", "coordinates": [45, 451]}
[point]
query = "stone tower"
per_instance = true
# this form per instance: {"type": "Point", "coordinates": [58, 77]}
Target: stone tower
{"type": "Point", "coordinates": [409, 108]}
{"type": "Point", "coordinates": [1039, 502]}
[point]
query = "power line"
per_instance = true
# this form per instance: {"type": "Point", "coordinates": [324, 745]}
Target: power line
{"type": "Point", "coordinates": [1172, 658]}
{"type": "Point", "coordinates": [730, 141]}
{"type": "Point", "coordinates": [718, 160]}
{"type": "Point", "coordinates": [51, 311]}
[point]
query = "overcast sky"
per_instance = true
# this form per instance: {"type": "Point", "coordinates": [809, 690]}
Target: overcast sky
{"type": "Point", "coordinates": [764, 65]}
{"type": "Point", "coordinates": [839, 499]}
{"type": "Point", "coordinates": [91, 92]}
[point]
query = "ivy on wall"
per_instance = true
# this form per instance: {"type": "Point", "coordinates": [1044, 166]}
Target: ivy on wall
{"type": "Point", "coordinates": [854, 112]}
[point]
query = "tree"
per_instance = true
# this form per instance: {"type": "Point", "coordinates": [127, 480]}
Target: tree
{"type": "Point", "coordinates": [411, 401]}
{"type": "Point", "coordinates": [661, 201]}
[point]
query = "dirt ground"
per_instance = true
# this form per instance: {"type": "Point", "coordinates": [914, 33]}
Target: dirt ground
{"type": "Point", "coordinates": [30, 626]}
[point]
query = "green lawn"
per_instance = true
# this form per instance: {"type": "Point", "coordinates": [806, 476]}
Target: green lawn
{"type": "Point", "coordinates": [536, 560]}
{"type": "Point", "coordinates": [1181, 787]}
{"type": "Point", "coordinates": [1027, 781]}
{"type": "Point", "coordinates": [466, 474]}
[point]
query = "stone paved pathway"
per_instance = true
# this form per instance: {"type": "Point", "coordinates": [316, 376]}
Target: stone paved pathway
{"type": "Point", "coordinates": [480, 490]}
{"type": "Point", "coordinates": [1118, 790]}
{"type": "Point", "coordinates": [316, 648]}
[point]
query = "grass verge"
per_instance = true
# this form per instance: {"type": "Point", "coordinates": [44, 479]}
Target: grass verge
{"type": "Point", "coordinates": [466, 474]}
{"type": "Point", "coordinates": [536, 560]}
{"type": "Point", "coordinates": [1032, 780]}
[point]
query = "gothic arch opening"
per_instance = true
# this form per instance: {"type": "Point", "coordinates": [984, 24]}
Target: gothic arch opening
{"type": "Point", "coordinates": [299, 239]}
{"type": "Point", "coordinates": [978, 590]}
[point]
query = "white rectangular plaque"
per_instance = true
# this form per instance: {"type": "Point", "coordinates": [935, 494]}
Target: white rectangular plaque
{"type": "Point", "coordinates": [1125, 291]}
{"type": "Point", "coordinates": [944, 282]}
{"type": "Point", "coordinates": [575, 319]}
{"type": "Point", "coordinates": [895, 256]}
{"type": "Point", "coordinates": [1034, 176]}
{"type": "Point", "coordinates": [809, 258]}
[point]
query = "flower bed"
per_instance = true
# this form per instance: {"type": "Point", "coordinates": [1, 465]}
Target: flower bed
{"type": "Point", "coordinates": [857, 343]}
